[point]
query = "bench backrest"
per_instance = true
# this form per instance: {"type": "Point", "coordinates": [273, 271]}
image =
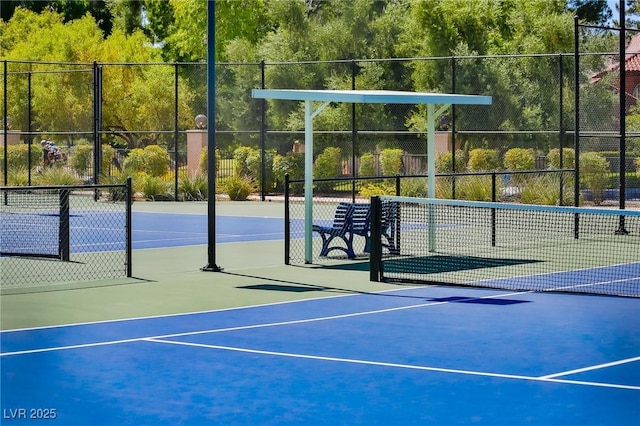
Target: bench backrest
{"type": "Point", "coordinates": [361, 217]}
{"type": "Point", "coordinates": [342, 217]}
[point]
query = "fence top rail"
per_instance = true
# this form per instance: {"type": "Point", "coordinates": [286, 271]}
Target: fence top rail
{"type": "Point", "coordinates": [334, 61]}
{"type": "Point", "coordinates": [58, 187]}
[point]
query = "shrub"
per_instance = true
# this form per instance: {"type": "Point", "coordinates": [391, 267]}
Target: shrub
{"type": "Point", "coordinates": [519, 159]}
{"type": "Point", "coordinates": [370, 189]}
{"type": "Point", "coordinates": [475, 188]}
{"type": "Point", "coordinates": [18, 156]}
{"type": "Point", "coordinates": [18, 176]}
{"type": "Point", "coordinates": [391, 161]}
{"type": "Point", "coordinates": [444, 161]}
{"type": "Point", "coordinates": [414, 187]}
{"type": "Point", "coordinates": [238, 187]}
{"type": "Point", "coordinates": [81, 156]}
{"type": "Point", "coordinates": [594, 170]}
{"type": "Point", "coordinates": [293, 165]}
{"type": "Point", "coordinates": [568, 158]}
{"type": "Point", "coordinates": [240, 155]}
{"type": "Point", "coordinates": [638, 167]}
{"type": "Point", "coordinates": [545, 190]}
{"type": "Point", "coordinates": [254, 165]}
{"type": "Point", "coordinates": [155, 159]}
{"type": "Point", "coordinates": [367, 165]}
{"type": "Point", "coordinates": [154, 187]}
{"type": "Point", "coordinates": [482, 159]}
{"type": "Point", "coordinates": [327, 165]}
{"type": "Point", "coordinates": [108, 153]}
{"type": "Point", "coordinates": [135, 160]}
{"type": "Point", "coordinates": [56, 176]}
{"type": "Point", "coordinates": [193, 188]}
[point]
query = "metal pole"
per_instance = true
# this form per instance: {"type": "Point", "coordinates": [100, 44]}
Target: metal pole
{"type": "Point", "coordinates": [623, 115]}
{"type": "Point", "coordinates": [4, 127]}
{"type": "Point", "coordinates": [211, 137]}
{"type": "Point", "coordinates": [562, 133]}
{"type": "Point", "coordinates": [176, 133]}
{"type": "Point", "coordinates": [453, 128]}
{"type": "Point", "coordinates": [576, 133]}
{"type": "Point", "coordinates": [29, 119]}
{"type": "Point", "coordinates": [263, 138]}
{"type": "Point", "coordinates": [354, 134]}
{"type": "Point", "coordinates": [129, 201]}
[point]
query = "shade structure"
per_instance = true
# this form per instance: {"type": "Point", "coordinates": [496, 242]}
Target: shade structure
{"type": "Point", "coordinates": [432, 100]}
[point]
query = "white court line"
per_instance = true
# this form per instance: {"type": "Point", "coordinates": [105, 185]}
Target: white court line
{"type": "Point", "coordinates": [404, 366]}
{"type": "Point", "coordinates": [221, 330]}
{"type": "Point", "coordinates": [592, 367]}
{"type": "Point", "coordinates": [161, 339]}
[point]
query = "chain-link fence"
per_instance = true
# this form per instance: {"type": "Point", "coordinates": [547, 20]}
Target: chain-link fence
{"type": "Point", "coordinates": [123, 108]}
{"type": "Point", "coordinates": [60, 234]}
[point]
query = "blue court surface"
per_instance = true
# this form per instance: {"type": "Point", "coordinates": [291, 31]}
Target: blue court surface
{"type": "Point", "coordinates": [153, 230]}
{"type": "Point", "coordinates": [416, 355]}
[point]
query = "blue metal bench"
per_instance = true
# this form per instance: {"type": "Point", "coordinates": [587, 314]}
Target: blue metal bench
{"type": "Point", "coordinates": [349, 220]}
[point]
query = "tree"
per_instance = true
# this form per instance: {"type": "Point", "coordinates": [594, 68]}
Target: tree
{"type": "Point", "coordinates": [134, 97]}
{"type": "Point", "coordinates": [69, 9]}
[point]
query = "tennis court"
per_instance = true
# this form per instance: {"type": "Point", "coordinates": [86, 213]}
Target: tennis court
{"type": "Point", "coordinates": [264, 343]}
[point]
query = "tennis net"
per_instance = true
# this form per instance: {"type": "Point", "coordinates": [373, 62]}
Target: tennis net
{"type": "Point", "coordinates": [506, 246]}
{"type": "Point", "coordinates": [35, 223]}
{"type": "Point", "coordinates": [57, 234]}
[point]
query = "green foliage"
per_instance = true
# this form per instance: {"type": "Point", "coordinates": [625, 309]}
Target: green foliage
{"type": "Point", "coordinates": [519, 159]}
{"type": "Point", "coordinates": [594, 170]}
{"type": "Point", "coordinates": [155, 188]}
{"type": "Point", "coordinates": [153, 160]}
{"type": "Point", "coordinates": [56, 176]}
{"type": "Point", "coordinates": [568, 158]}
{"type": "Point", "coordinates": [475, 188]}
{"type": "Point", "coordinates": [327, 165]}
{"type": "Point", "coordinates": [108, 152]}
{"type": "Point", "coordinates": [391, 161]}
{"type": "Point", "coordinates": [444, 161]}
{"type": "Point", "coordinates": [156, 160]}
{"type": "Point", "coordinates": [545, 190]}
{"type": "Point", "coordinates": [135, 160]}
{"type": "Point", "coordinates": [369, 190]}
{"type": "Point", "coordinates": [193, 188]}
{"type": "Point", "coordinates": [18, 156]}
{"type": "Point", "coordinates": [254, 165]}
{"type": "Point", "coordinates": [240, 155]}
{"type": "Point", "coordinates": [638, 167]}
{"type": "Point", "coordinates": [414, 187]}
{"type": "Point", "coordinates": [482, 159]}
{"type": "Point", "coordinates": [292, 164]}
{"type": "Point", "coordinates": [367, 165]}
{"type": "Point", "coordinates": [238, 187]}
{"type": "Point", "coordinates": [17, 177]}
{"type": "Point", "coordinates": [81, 157]}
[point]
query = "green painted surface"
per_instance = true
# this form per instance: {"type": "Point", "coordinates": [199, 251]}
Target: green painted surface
{"type": "Point", "coordinates": [170, 280]}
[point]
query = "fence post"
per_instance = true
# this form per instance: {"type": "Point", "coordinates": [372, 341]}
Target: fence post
{"type": "Point", "coordinates": [129, 244]}
{"type": "Point", "coordinates": [263, 141]}
{"type": "Point", "coordinates": [64, 244]}
{"type": "Point", "coordinates": [375, 257]}
{"type": "Point", "coordinates": [287, 222]}
{"type": "Point", "coordinates": [175, 132]}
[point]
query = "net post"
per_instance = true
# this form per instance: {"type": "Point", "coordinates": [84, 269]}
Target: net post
{"type": "Point", "coordinates": [494, 199]}
{"type": "Point", "coordinates": [375, 258]}
{"type": "Point", "coordinates": [64, 246]}
{"type": "Point", "coordinates": [287, 221]}
{"type": "Point", "coordinates": [129, 245]}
